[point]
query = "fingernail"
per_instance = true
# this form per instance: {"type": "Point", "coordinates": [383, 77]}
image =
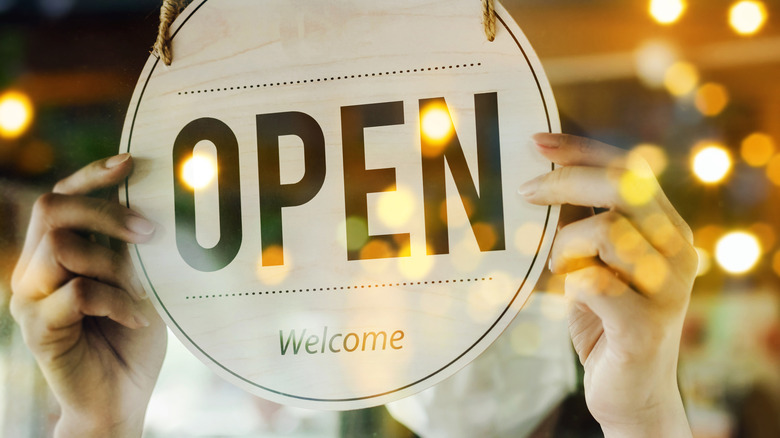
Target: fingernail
{"type": "Point", "coordinates": [549, 264]}
{"type": "Point", "coordinates": [141, 320]}
{"type": "Point", "coordinates": [528, 188]}
{"type": "Point", "coordinates": [139, 225]}
{"type": "Point", "coordinates": [546, 140]}
{"type": "Point", "coordinates": [116, 160]}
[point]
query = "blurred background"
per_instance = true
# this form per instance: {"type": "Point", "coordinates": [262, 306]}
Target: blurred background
{"type": "Point", "coordinates": [693, 86]}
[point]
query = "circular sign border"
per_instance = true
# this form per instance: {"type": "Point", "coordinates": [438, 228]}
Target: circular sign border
{"type": "Point", "coordinates": [137, 255]}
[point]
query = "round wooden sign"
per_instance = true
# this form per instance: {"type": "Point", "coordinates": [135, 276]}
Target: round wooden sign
{"type": "Point", "coordinates": [334, 184]}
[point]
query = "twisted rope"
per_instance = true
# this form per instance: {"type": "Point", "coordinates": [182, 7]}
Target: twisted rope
{"type": "Point", "coordinates": [171, 9]}
{"type": "Point", "coordinates": [489, 19]}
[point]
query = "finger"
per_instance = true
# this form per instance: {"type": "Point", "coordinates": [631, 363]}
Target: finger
{"type": "Point", "coordinates": [52, 211]}
{"type": "Point", "coordinates": [569, 150]}
{"type": "Point", "coordinates": [615, 189]}
{"type": "Point", "coordinates": [93, 215]}
{"type": "Point", "coordinates": [63, 254]}
{"type": "Point", "coordinates": [96, 175]}
{"type": "Point", "coordinates": [612, 239]}
{"type": "Point", "coordinates": [51, 320]}
{"type": "Point", "coordinates": [616, 304]}
{"type": "Point", "coordinates": [82, 297]}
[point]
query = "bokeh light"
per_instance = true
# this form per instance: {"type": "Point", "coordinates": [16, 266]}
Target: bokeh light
{"type": "Point", "coordinates": [711, 163]}
{"type": "Point", "coordinates": [776, 263]}
{"type": "Point", "coordinates": [747, 17]}
{"type": "Point", "coordinates": [637, 188]}
{"type": "Point", "coordinates": [652, 59]}
{"type": "Point", "coordinates": [415, 268]}
{"type": "Point", "coordinates": [707, 236]}
{"type": "Point", "coordinates": [765, 233]}
{"type": "Point", "coordinates": [667, 11]}
{"type": "Point", "coordinates": [395, 208]}
{"type": "Point", "coordinates": [773, 170]}
{"type": "Point", "coordinates": [273, 275]}
{"type": "Point", "coordinates": [738, 252]}
{"type": "Point", "coordinates": [16, 114]}
{"type": "Point", "coordinates": [681, 78]}
{"type": "Point", "coordinates": [525, 338]}
{"type": "Point", "coordinates": [757, 149]}
{"type": "Point", "coordinates": [199, 171]}
{"type": "Point", "coordinates": [435, 123]}
{"type": "Point", "coordinates": [711, 99]}
{"type": "Point", "coordinates": [652, 154]}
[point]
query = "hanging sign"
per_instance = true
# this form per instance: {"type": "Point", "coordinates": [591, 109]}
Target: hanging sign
{"type": "Point", "coordinates": [334, 186]}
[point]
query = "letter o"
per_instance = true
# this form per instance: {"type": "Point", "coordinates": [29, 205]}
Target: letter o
{"type": "Point", "coordinates": [357, 342]}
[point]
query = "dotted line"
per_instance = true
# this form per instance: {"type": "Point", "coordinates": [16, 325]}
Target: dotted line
{"type": "Point", "coordinates": [334, 288]}
{"type": "Point", "coordinates": [332, 78]}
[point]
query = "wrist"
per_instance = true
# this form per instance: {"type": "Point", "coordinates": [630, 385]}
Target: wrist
{"type": "Point", "coordinates": [665, 418]}
{"type": "Point", "coordinates": [75, 425]}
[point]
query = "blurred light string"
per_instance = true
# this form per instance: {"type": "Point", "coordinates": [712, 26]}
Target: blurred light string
{"type": "Point", "coordinates": [171, 9]}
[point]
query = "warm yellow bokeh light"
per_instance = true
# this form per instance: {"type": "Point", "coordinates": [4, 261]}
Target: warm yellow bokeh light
{"type": "Point", "coordinates": [526, 338]}
{"type": "Point", "coordinates": [711, 99]}
{"type": "Point", "coordinates": [747, 17]}
{"type": "Point", "coordinates": [652, 154]}
{"type": "Point", "coordinates": [711, 163]}
{"type": "Point", "coordinates": [414, 268]}
{"type": "Point", "coordinates": [273, 275]}
{"type": "Point", "coordinates": [637, 188]}
{"type": "Point", "coordinates": [16, 114]}
{"type": "Point", "coordinates": [681, 78]}
{"type": "Point", "coordinates": [667, 11]}
{"type": "Point", "coordinates": [705, 262]}
{"type": "Point", "coordinates": [436, 123]}
{"type": "Point", "coordinates": [199, 171]}
{"type": "Point", "coordinates": [773, 170]}
{"type": "Point", "coordinates": [738, 252]}
{"type": "Point", "coordinates": [776, 263]}
{"type": "Point", "coordinates": [757, 149]}
{"type": "Point", "coordinates": [652, 58]}
{"type": "Point", "coordinates": [765, 234]}
{"type": "Point", "coordinates": [396, 208]}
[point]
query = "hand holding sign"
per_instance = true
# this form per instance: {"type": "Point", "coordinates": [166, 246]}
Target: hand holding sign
{"type": "Point", "coordinates": [99, 345]}
{"type": "Point", "coordinates": [629, 271]}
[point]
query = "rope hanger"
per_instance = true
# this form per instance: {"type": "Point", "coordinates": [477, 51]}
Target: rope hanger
{"type": "Point", "coordinates": [171, 9]}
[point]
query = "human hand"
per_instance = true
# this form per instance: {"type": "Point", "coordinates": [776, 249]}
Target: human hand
{"type": "Point", "coordinates": [98, 342]}
{"type": "Point", "coordinates": [629, 273]}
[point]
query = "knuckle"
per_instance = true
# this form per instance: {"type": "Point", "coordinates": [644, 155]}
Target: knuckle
{"type": "Point", "coordinates": [78, 291]}
{"type": "Point", "coordinates": [55, 240]}
{"type": "Point", "coordinates": [44, 205]}
{"type": "Point", "coordinates": [17, 309]}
